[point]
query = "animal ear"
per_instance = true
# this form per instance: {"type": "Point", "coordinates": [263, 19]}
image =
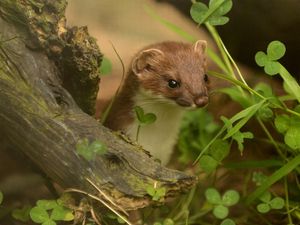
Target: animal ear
{"type": "Point", "coordinates": [200, 46]}
{"type": "Point", "coordinates": [145, 59]}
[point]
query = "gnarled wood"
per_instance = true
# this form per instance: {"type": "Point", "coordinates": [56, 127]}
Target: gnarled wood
{"type": "Point", "coordinates": [41, 118]}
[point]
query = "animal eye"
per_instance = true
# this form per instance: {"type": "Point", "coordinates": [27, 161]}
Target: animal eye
{"type": "Point", "coordinates": [205, 78]}
{"type": "Point", "coordinates": [173, 83]}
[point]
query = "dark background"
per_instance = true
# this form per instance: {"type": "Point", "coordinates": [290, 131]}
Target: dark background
{"type": "Point", "coordinates": [255, 23]}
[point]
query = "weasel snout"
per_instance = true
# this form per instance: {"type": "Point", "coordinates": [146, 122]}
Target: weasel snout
{"type": "Point", "coordinates": [201, 101]}
{"type": "Point", "coordinates": [196, 102]}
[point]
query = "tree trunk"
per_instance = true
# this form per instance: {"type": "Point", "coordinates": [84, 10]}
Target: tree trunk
{"type": "Point", "coordinates": [42, 63]}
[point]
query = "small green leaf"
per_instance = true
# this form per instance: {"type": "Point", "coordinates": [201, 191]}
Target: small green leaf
{"type": "Point", "coordinates": [149, 118]}
{"type": "Point", "coordinates": [228, 222]}
{"type": "Point", "coordinates": [1, 197]}
{"type": "Point", "coordinates": [263, 208]}
{"type": "Point", "coordinates": [282, 123]}
{"type": "Point", "coordinates": [143, 118]}
{"type": "Point", "coordinates": [49, 222]}
{"type": "Point", "coordinates": [272, 68]}
{"type": "Point", "coordinates": [214, 14]}
{"type": "Point", "coordinates": [61, 213]}
{"type": "Point", "coordinates": [46, 204]}
{"type": "Point", "coordinates": [156, 193]}
{"type": "Point", "coordinates": [219, 150]}
{"type": "Point", "coordinates": [39, 214]}
{"type": "Point", "coordinates": [213, 196]}
{"type": "Point", "coordinates": [266, 197]}
{"type": "Point", "coordinates": [106, 66]}
{"type": "Point", "coordinates": [239, 138]}
{"type": "Point", "coordinates": [220, 211]}
{"type": "Point", "coordinates": [198, 11]}
{"type": "Point", "coordinates": [157, 223]}
{"type": "Point", "coordinates": [276, 50]}
{"type": "Point", "coordinates": [218, 21]}
{"type": "Point", "coordinates": [168, 221]}
{"type": "Point", "coordinates": [292, 137]}
{"type": "Point", "coordinates": [261, 58]}
{"type": "Point", "coordinates": [230, 198]}
{"type": "Point", "coordinates": [208, 163]}
{"type": "Point", "coordinates": [22, 214]}
{"type": "Point", "coordinates": [235, 94]}
{"type": "Point", "coordinates": [258, 178]}
{"type": "Point", "coordinates": [265, 113]}
{"type": "Point", "coordinates": [277, 203]}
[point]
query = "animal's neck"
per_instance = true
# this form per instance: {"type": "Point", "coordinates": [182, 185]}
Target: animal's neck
{"type": "Point", "coordinates": [158, 138]}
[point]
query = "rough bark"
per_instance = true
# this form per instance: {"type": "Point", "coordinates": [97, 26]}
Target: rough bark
{"type": "Point", "coordinates": [46, 71]}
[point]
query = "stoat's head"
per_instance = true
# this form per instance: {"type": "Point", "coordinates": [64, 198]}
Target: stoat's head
{"type": "Point", "coordinates": [175, 71]}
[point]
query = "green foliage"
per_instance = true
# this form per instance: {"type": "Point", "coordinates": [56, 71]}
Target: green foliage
{"type": "Point", "coordinates": [275, 51]}
{"type": "Point", "coordinates": [258, 103]}
{"type": "Point", "coordinates": [268, 203]}
{"type": "Point", "coordinates": [214, 156]}
{"type": "Point", "coordinates": [144, 118]}
{"type": "Point", "coordinates": [258, 178]}
{"type": "Point", "coordinates": [228, 222]}
{"type": "Point", "coordinates": [106, 66]}
{"type": "Point", "coordinates": [289, 126]}
{"type": "Point", "coordinates": [221, 203]}
{"type": "Point", "coordinates": [197, 130]}
{"type": "Point", "coordinates": [22, 214]}
{"type": "Point", "coordinates": [90, 150]}
{"type": "Point", "coordinates": [167, 221]}
{"type": "Point", "coordinates": [116, 218]}
{"type": "Point", "coordinates": [213, 13]}
{"type": "Point", "coordinates": [156, 192]}
{"type": "Point", "coordinates": [47, 212]}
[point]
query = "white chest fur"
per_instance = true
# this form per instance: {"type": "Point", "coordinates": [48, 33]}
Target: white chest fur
{"type": "Point", "coordinates": [159, 137]}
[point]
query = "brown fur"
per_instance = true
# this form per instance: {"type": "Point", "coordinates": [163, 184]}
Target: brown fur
{"type": "Point", "coordinates": [152, 68]}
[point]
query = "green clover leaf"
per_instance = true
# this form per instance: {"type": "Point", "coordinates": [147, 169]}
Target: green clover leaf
{"type": "Point", "coordinates": [228, 222]}
{"type": "Point", "coordinates": [277, 203]}
{"type": "Point", "coordinates": [213, 196]}
{"type": "Point", "coordinates": [230, 198]}
{"type": "Point", "coordinates": [275, 51]}
{"type": "Point", "coordinates": [220, 211]}
{"type": "Point", "coordinates": [90, 150]}
{"type": "Point", "coordinates": [144, 118]}
{"type": "Point", "coordinates": [156, 192]}
{"type": "Point", "coordinates": [213, 13]}
{"type": "Point", "coordinates": [39, 214]}
{"type": "Point", "coordinates": [208, 163]}
{"type": "Point", "coordinates": [263, 208]}
{"type": "Point", "coordinates": [268, 203]}
{"type": "Point", "coordinates": [289, 126]}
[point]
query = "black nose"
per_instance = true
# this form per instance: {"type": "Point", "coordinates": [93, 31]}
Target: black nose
{"type": "Point", "coordinates": [201, 101]}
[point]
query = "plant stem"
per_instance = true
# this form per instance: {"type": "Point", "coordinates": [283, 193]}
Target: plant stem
{"type": "Point", "coordinates": [287, 204]}
{"type": "Point", "coordinates": [185, 207]}
{"type": "Point", "coordinates": [107, 110]}
{"type": "Point", "coordinates": [271, 139]}
{"type": "Point", "coordinates": [137, 133]}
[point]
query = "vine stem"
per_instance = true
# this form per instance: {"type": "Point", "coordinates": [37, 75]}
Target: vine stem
{"type": "Point", "coordinates": [137, 133]}
{"type": "Point", "coordinates": [287, 204]}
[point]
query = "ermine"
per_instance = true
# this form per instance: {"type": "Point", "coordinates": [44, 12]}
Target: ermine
{"type": "Point", "coordinates": [166, 79]}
